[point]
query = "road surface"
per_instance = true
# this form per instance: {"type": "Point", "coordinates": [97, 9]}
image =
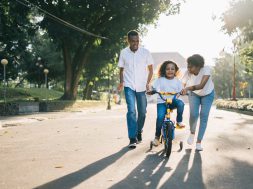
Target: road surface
{"type": "Point", "coordinates": [88, 149]}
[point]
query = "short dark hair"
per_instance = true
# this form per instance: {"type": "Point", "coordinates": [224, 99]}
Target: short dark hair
{"type": "Point", "coordinates": [162, 70]}
{"type": "Point", "coordinates": [196, 60]}
{"type": "Point", "coordinates": [132, 33]}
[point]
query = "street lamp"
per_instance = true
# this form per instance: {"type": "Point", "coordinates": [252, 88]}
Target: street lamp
{"type": "Point", "coordinates": [109, 96]}
{"type": "Point", "coordinates": [46, 71]}
{"type": "Point", "coordinates": [4, 62]}
{"type": "Point", "coordinates": [234, 51]}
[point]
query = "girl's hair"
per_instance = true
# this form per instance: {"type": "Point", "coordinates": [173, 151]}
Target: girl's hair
{"type": "Point", "coordinates": [162, 70]}
{"type": "Point", "coordinates": [196, 60]}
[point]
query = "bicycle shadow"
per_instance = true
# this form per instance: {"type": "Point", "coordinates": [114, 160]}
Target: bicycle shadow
{"type": "Point", "coordinates": [73, 179]}
{"type": "Point", "coordinates": [184, 178]}
{"type": "Point", "coordinates": [147, 174]}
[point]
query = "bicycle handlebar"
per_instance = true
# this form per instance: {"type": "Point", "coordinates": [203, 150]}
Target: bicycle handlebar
{"type": "Point", "coordinates": [163, 93]}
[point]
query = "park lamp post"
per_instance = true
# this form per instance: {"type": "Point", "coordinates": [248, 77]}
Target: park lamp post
{"type": "Point", "coordinates": [234, 52]}
{"type": "Point", "coordinates": [109, 95]}
{"type": "Point", "coordinates": [4, 62]}
{"type": "Point", "coordinates": [46, 71]}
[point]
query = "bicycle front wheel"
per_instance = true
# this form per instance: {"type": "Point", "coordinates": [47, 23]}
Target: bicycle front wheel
{"type": "Point", "coordinates": [168, 139]}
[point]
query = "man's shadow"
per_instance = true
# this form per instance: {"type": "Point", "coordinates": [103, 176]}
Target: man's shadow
{"type": "Point", "coordinates": [184, 178]}
{"type": "Point", "coordinates": [73, 179]}
{"type": "Point", "coordinates": [147, 174]}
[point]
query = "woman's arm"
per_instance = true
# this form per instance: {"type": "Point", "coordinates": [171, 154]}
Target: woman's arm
{"type": "Point", "coordinates": [196, 87]}
{"type": "Point", "coordinates": [199, 86]}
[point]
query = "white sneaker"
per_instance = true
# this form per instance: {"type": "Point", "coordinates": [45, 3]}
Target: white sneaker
{"type": "Point", "coordinates": [198, 147]}
{"type": "Point", "coordinates": [156, 142]}
{"type": "Point", "coordinates": [190, 139]}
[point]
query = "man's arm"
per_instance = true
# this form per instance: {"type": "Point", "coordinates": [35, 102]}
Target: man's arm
{"type": "Point", "coordinates": [150, 75]}
{"type": "Point", "coordinates": [120, 86]}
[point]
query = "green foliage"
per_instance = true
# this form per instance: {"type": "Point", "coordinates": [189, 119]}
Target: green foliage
{"type": "Point", "coordinates": [223, 76]}
{"type": "Point", "coordinates": [239, 17]}
{"type": "Point", "coordinates": [15, 29]}
{"type": "Point", "coordinates": [246, 55]}
{"type": "Point", "coordinates": [43, 47]}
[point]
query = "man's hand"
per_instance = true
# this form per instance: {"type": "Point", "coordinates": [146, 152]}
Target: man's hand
{"type": "Point", "coordinates": [120, 87]}
{"type": "Point", "coordinates": [147, 87]}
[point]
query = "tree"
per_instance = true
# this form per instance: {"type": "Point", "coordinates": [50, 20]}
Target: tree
{"type": "Point", "coordinates": [112, 19]}
{"type": "Point", "coordinates": [223, 73]}
{"type": "Point", "coordinates": [45, 55]}
{"type": "Point", "coordinates": [239, 17]}
{"type": "Point", "coordinates": [15, 30]}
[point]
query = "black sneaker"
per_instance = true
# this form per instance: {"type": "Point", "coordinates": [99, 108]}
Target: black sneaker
{"type": "Point", "coordinates": [139, 137]}
{"type": "Point", "coordinates": [132, 144]}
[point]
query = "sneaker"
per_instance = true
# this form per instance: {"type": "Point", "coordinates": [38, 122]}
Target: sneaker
{"type": "Point", "coordinates": [132, 144]}
{"type": "Point", "coordinates": [156, 141]}
{"type": "Point", "coordinates": [198, 147]}
{"type": "Point", "coordinates": [180, 125]}
{"type": "Point", "coordinates": [190, 139]}
{"type": "Point", "coordinates": [139, 138]}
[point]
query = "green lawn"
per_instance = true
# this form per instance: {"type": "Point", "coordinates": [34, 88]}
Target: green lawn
{"type": "Point", "coordinates": [27, 94]}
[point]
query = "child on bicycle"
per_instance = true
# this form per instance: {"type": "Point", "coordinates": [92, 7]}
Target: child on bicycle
{"type": "Point", "coordinates": [167, 82]}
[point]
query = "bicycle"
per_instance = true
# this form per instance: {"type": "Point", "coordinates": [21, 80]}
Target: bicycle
{"type": "Point", "coordinates": [168, 126]}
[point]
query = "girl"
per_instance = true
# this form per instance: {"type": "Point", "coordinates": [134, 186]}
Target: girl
{"type": "Point", "coordinates": [199, 83]}
{"type": "Point", "coordinates": [167, 82]}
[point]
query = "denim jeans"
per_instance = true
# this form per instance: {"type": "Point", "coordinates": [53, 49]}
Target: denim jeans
{"type": "Point", "coordinates": [162, 110]}
{"type": "Point", "coordinates": [135, 122]}
{"type": "Point", "coordinates": [200, 107]}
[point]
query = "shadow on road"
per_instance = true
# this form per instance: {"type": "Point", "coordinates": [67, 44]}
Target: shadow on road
{"type": "Point", "coordinates": [73, 179]}
{"type": "Point", "coordinates": [184, 178]}
{"type": "Point", "coordinates": [147, 174]}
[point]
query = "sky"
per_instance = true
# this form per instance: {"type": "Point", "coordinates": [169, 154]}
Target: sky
{"type": "Point", "coordinates": [192, 31]}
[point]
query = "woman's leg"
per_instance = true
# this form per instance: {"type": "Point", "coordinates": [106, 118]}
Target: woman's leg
{"type": "Point", "coordinates": [206, 104]}
{"type": "Point", "coordinates": [161, 111]}
{"type": "Point", "coordinates": [194, 102]}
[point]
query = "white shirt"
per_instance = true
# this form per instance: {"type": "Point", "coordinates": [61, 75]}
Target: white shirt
{"type": "Point", "coordinates": [162, 84]}
{"type": "Point", "coordinates": [191, 79]}
{"type": "Point", "coordinates": [135, 66]}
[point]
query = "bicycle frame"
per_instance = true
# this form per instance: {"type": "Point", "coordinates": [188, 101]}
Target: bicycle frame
{"type": "Point", "coordinates": [168, 126]}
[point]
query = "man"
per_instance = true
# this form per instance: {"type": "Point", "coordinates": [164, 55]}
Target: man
{"type": "Point", "coordinates": [136, 71]}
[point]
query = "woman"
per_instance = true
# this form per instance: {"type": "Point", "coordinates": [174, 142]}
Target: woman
{"type": "Point", "coordinates": [198, 83]}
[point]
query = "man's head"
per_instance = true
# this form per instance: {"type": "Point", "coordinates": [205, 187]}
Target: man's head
{"type": "Point", "coordinates": [133, 40]}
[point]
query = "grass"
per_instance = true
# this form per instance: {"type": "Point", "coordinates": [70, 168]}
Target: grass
{"type": "Point", "coordinates": [29, 94]}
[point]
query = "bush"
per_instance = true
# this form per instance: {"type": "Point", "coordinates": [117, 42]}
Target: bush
{"type": "Point", "coordinates": [244, 105]}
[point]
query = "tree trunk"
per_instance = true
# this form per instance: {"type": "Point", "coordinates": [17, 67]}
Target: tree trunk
{"type": "Point", "coordinates": [73, 70]}
{"type": "Point", "coordinates": [86, 89]}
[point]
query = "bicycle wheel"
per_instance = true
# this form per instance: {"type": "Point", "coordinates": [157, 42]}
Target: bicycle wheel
{"type": "Point", "coordinates": [169, 137]}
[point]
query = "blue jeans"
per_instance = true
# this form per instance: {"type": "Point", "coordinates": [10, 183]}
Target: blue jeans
{"type": "Point", "coordinates": [162, 110]}
{"type": "Point", "coordinates": [135, 123]}
{"type": "Point", "coordinates": [200, 105]}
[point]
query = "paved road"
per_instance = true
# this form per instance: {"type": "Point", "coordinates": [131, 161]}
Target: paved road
{"type": "Point", "coordinates": [88, 150]}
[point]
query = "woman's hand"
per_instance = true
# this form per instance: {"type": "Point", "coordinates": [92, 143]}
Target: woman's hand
{"type": "Point", "coordinates": [184, 91]}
